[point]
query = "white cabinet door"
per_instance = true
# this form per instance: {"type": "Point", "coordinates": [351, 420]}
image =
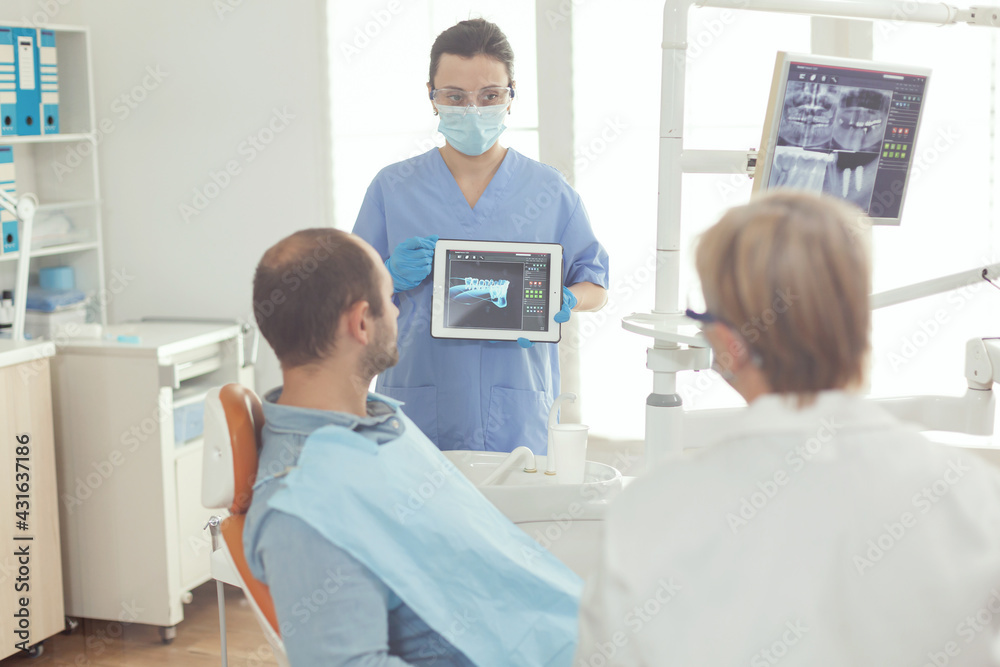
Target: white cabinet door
{"type": "Point", "coordinates": [195, 542]}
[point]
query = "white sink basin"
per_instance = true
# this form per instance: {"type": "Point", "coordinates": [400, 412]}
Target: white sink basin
{"type": "Point", "coordinates": [525, 497]}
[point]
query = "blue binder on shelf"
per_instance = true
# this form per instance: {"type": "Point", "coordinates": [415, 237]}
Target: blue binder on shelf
{"type": "Point", "coordinates": [8, 223]}
{"type": "Point", "coordinates": [29, 88]}
{"type": "Point", "coordinates": [48, 67]}
{"type": "Point", "coordinates": [8, 84]}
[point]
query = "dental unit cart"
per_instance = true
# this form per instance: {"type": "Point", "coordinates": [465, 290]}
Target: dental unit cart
{"type": "Point", "coordinates": [129, 449]}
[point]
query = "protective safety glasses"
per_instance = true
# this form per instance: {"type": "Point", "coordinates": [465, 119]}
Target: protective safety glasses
{"type": "Point", "coordinates": [701, 318]}
{"type": "Point", "coordinates": [485, 97]}
{"type": "Point", "coordinates": [696, 308]}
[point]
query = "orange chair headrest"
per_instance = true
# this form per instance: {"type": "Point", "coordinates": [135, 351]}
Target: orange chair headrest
{"type": "Point", "coordinates": [245, 418]}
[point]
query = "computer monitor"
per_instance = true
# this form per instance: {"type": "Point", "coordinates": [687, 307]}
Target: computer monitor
{"type": "Point", "coordinates": [844, 127]}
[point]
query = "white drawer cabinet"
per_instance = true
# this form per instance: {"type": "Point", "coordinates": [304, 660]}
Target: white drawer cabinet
{"type": "Point", "coordinates": [132, 521]}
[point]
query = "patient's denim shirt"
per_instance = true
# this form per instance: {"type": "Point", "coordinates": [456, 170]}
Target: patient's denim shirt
{"type": "Point", "coordinates": [331, 609]}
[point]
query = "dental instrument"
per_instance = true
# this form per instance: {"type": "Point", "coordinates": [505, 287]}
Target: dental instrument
{"type": "Point", "coordinates": [520, 456]}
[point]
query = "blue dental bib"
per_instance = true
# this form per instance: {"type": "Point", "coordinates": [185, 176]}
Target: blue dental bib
{"type": "Point", "coordinates": [408, 514]}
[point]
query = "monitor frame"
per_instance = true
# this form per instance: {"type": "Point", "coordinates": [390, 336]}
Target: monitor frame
{"type": "Point", "coordinates": [775, 107]}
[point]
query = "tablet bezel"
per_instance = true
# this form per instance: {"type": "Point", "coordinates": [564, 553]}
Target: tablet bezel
{"type": "Point", "coordinates": [438, 328]}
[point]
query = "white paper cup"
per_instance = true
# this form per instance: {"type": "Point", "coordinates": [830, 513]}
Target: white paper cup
{"type": "Point", "coordinates": [569, 442]}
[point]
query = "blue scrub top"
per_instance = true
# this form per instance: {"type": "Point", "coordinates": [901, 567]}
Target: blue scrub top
{"type": "Point", "coordinates": [467, 394]}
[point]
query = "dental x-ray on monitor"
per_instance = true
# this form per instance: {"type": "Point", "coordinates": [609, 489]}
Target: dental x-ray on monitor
{"type": "Point", "coordinates": [844, 127]}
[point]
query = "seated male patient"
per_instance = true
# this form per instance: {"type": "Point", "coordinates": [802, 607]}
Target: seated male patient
{"type": "Point", "coordinates": [377, 551]}
{"type": "Point", "coordinates": [816, 529]}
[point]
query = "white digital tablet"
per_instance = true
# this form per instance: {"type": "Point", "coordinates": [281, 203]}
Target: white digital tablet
{"type": "Point", "coordinates": [497, 290]}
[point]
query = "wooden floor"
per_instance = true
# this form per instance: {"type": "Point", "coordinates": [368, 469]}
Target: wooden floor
{"type": "Point", "coordinates": [110, 644]}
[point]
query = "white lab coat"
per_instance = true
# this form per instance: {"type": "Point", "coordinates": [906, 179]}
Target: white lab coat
{"type": "Point", "coordinates": [832, 535]}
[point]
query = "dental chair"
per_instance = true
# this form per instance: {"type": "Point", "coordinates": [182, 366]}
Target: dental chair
{"type": "Point", "coordinates": [233, 421]}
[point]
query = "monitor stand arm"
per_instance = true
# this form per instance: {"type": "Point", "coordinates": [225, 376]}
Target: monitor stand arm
{"type": "Point", "coordinates": [972, 413]}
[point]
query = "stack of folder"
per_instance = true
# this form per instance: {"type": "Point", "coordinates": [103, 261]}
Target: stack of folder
{"type": "Point", "coordinates": [29, 82]}
{"type": "Point", "coordinates": [8, 223]}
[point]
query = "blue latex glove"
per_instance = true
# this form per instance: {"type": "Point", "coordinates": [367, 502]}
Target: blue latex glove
{"type": "Point", "coordinates": [411, 262]}
{"type": "Point", "coordinates": [569, 302]}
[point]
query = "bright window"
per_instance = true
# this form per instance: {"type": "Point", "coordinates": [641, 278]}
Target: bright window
{"type": "Point", "coordinates": [947, 220]}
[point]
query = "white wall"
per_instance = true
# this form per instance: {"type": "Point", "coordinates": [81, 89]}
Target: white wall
{"type": "Point", "coordinates": [225, 66]}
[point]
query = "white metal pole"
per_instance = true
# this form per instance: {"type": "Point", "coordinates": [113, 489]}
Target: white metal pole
{"type": "Point", "coordinates": [663, 406]}
{"type": "Point", "coordinates": [26, 211]}
{"type": "Point", "coordinates": [915, 12]}
{"type": "Point", "coordinates": [23, 209]}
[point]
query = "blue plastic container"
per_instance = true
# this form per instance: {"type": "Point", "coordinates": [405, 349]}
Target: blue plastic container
{"type": "Point", "coordinates": [57, 277]}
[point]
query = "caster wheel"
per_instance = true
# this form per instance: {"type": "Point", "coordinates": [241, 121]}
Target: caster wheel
{"type": "Point", "coordinates": [36, 651]}
{"type": "Point", "coordinates": [71, 625]}
{"type": "Point", "coordinates": [167, 635]}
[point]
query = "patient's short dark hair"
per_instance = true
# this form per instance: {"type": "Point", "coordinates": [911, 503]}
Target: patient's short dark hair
{"type": "Point", "coordinates": [302, 286]}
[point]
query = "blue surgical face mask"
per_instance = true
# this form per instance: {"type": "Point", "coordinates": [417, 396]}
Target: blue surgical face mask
{"type": "Point", "coordinates": [469, 132]}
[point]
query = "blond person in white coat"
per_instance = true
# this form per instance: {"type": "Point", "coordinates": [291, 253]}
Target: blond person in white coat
{"type": "Point", "coordinates": [818, 530]}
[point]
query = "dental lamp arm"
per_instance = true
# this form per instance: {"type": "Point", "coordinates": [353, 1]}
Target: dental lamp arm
{"type": "Point", "coordinates": [23, 208]}
{"type": "Point", "coordinates": [974, 413]}
{"type": "Point", "coordinates": [982, 363]}
{"type": "Point", "coordinates": [935, 286]}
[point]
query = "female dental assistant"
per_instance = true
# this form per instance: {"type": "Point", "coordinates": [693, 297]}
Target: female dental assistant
{"type": "Point", "coordinates": [466, 394]}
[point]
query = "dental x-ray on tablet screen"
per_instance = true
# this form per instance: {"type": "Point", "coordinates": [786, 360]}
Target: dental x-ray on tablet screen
{"type": "Point", "coordinates": [493, 290]}
{"type": "Point", "coordinates": [844, 127]}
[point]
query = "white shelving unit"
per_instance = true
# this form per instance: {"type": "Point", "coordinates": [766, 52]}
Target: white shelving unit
{"type": "Point", "coordinates": [61, 170]}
